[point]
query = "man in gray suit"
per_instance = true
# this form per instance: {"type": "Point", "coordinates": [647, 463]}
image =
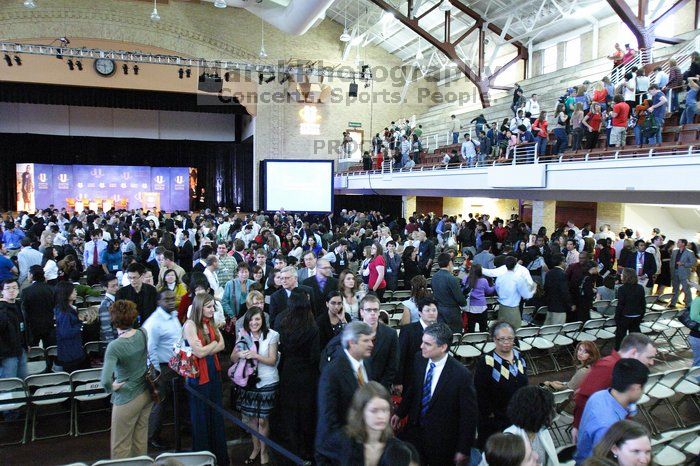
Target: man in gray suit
{"type": "Point", "coordinates": [309, 269]}
{"type": "Point", "coordinates": [682, 263]}
{"type": "Point", "coordinates": [484, 258]}
{"type": "Point", "coordinates": [448, 294]}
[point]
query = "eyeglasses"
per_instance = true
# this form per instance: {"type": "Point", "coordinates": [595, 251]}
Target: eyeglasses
{"type": "Point", "coordinates": [371, 310]}
{"type": "Point", "coordinates": [505, 339]}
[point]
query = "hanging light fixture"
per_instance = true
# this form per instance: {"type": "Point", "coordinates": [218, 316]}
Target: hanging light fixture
{"type": "Point", "coordinates": [345, 36]}
{"type": "Point", "coordinates": [220, 3]}
{"type": "Point", "coordinates": [263, 53]}
{"type": "Point", "coordinates": [419, 52]}
{"type": "Point", "coordinates": [29, 4]}
{"type": "Point", "coordinates": [445, 5]}
{"type": "Point", "coordinates": [154, 14]}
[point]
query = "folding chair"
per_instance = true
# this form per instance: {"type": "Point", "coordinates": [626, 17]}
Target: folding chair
{"type": "Point", "coordinates": [562, 421]}
{"type": "Point", "coordinates": [52, 357]}
{"type": "Point", "coordinates": [137, 461]}
{"type": "Point", "coordinates": [95, 349]}
{"type": "Point", "coordinates": [689, 387]}
{"type": "Point", "coordinates": [400, 295]}
{"type": "Point", "coordinates": [471, 345]}
{"type": "Point", "coordinates": [600, 308]}
{"type": "Point", "coordinates": [36, 360]}
{"type": "Point", "coordinates": [11, 388]}
{"type": "Point", "coordinates": [665, 389]}
{"type": "Point", "coordinates": [48, 384]}
{"type": "Point", "coordinates": [670, 323]}
{"type": "Point", "coordinates": [529, 315]}
{"type": "Point", "coordinates": [648, 321]}
{"type": "Point", "coordinates": [651, 301]}
{"type": "Point", "coordinates": [523, 335]}
{"type": "Point", "coordinates": [195, 458]}
{"type": "Point", "coordinates": [544, 341]}
{"type": "Point", "coordinates": [565, 341]}
{"type": "Point", "coordinates": [84, 380]}
{"type": "Point", "coordinates": [646, 398]}
{"type": "Point", "coordinates": [675, 446]}
{"type": "Point", "coordinates": [589, 330]}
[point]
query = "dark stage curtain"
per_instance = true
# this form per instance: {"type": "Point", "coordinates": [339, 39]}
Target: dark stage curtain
{"type": "Point", "coordinates": [225, 169]}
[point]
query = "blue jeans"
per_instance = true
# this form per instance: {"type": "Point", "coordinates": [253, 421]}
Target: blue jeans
{"type": "Point", "coordinates": [455, 137]}
{"type": "Point", "coordinates": [695, 345]}
{"type": "Point", "coordinates": [688, 115]}
{"type": "Point", "coordinates": [674, 99]}
{"type": "Point", "coordinates": [14, 367]}
{"type": "Point", "coordinates": [638, 136]}
{"type": "Point", "coordinates": [541, 145]}
{"type": "Point", "coordinates": [562, 141]}
{"type": "Point", "coordinates": [656, 139]}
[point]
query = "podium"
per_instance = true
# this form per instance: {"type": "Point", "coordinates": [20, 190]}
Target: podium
{"type": "Point", "coordinates": [150, 201]}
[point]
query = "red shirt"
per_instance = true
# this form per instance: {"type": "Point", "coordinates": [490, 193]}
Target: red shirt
{"type": "Point", "coordinates": [623, 112]}
{"type": "Point", "coordinates": [594, 120]}
{"type": "Point", "coordinates": [599, 378]}
{"type": "Point", "coordinates": [600, 96]}
{"type": "Point", "coordinates": [374, 275]}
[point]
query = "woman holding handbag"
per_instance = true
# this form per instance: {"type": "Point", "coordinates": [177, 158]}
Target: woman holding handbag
{"type": "Point", "coordinates": [256, 348]}
{"type": "Point", "coordinates": [205, 341]}
{"type": "Point", "coordinates": [124, 375]}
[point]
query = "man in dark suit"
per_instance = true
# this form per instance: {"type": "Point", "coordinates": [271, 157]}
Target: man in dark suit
{"type": "Point", "coordinates": [37, 304]}
{"type": "Point", "coordinates": [321, 284]}
{"type": "Point", "coordinates": [142, 294]}
{"type": "Point", "coordinates": [410, 339]}
{"type": "Point", "coordinates": [644, 263]}
{"type": "Point", "coordinates": [278, 299]}
{"type": "Point", "coordinates": [682, 262]}
{"type": "Point", "coordinates": [440, 403]}
{"type": "Point", "coordinates": [385, 355]}
{"type": "Point", "coordinates": [340, 379]}
{"type": "Point", "coordinates": [448, 294]}
{"type": "Point", "coordinates": [426, 253]}
{"type": "Point", "coordinates": [556, 289]}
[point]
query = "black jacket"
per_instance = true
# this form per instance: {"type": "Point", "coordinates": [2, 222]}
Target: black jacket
{"type": "Point", "coordinates": [385, 356]}
{"type": "Point", "coordinates": [410, 339]}
{"type": "Point", "coordinates": [318, 295]}
{"type": "Point", "coordinates": [336, 388]}
{"type": "Point", "coordinates": [349, 452]}
{"type": "Point", "coordinates": [452, 412]}
{"type": "Point", "coordinates": [630, 301]}
{"type": "Point", "coordinates": [325, 330]}
{"type": "Point", "coordinates": [278, 302]}
{"type": "Point", "coordinates": [37, 304]}
{"type": "Point", "coordinates": [146, 300]}
{"type": "Point", "coordinates": [14, 332]}
{"type": "Point", "coordinates": [556, 289]}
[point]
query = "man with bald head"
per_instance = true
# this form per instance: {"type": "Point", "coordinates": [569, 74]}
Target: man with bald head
{"type": "Point", "coordinates": [321, 284]}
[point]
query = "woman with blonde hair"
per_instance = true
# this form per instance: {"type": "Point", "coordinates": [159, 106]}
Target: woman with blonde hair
{"type": "Point", "coordinates": [368, 433]}
{"type": "Point", "coordinates": [205, 340]}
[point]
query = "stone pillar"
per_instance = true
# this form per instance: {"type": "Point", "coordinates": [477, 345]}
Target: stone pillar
{"type": "Point", "coordinates": [611, 213]}
{"type": "Point", "coordinates": [543, 214]}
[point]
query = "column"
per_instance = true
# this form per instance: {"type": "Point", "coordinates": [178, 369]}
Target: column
{"type": "Point", "coordinates": [543, 214]}
{"type": "Point", "coordinates": [610, 213]}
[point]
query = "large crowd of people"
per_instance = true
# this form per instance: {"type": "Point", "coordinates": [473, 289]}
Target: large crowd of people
{"type": "Point", "coordinates": [636, 104]}
{"type": "Point", "coordinates": [289, 306]}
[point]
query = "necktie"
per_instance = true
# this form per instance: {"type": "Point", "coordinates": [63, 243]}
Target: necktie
{"type": "Point", "coordinates": [312, 272]}
{"type": "Point", "coordinates": [360, 376]}
{"type": "Point", "coordinates": [425, 400]}
{"type": "Point", "coordinates": [94, 255]}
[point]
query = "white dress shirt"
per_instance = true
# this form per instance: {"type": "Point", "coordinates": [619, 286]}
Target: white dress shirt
{"type": "Point", "coordinates": [355, 364]}
{"type": "Point", "coordinates": [511, 288]}
{"type": "Point", "coordinates": [519, 270]}
{"type": "Point", "coordinates": [439, 366]}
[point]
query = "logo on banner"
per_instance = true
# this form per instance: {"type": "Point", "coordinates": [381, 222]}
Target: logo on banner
{"type": "Point", "coordinates": [97, 173]}
{"type": "Point", "coordinates": [42, 177]}
{"type": "Point", "coordinates": [159, 179]}
{"type": "Point", "coordinates": [180, 179]}
{"type": "Point", "coordinates": [126, 176]}
{"type": "Point", "coordinates": [63, 181]}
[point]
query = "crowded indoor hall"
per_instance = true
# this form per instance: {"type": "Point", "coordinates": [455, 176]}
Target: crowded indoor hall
{"type": "Point", "coordinates": [350, 232]}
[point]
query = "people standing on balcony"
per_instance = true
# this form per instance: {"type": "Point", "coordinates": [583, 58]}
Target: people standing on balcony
{"type": "Point", "coordinates": [658, 111]}
{"type": "Point", "coordinates": [485, 147]}
{"type": "Point", "coordinates": [640, 112]}
{"type": "Point", "coordinates": [577, 127]}
{"type": "Point", "coordinates": [629, 90]}
{"type": "Point", "coordinates": [691, 101]}
{"type": "Point", "coordinates": [517, 99]}
{"type": "Point", "coordinates": [416, 148]}
{"type": "Point", "coordinates": [540, 125]}
{"type": "Point", "coordinates": [455, 127]}
{"type": "Point", "coordinates": [629, 54]}
{"type": "Point", "coordinates": [620, 114]}
{"type": "Point", "coordinates": [642, 83]}
{"type": "Point", "coordinates": [675, 81]}
{"type": "Point", "coordinates": [600, 94]}
{"type": "Point", "coordinates": [518, 120]}
{"type": "Point", "coordinates": [469, 149]}
{"type": "Point", "coordinates": [560, 130]}
{"type": "Point", "coordinates": [694, 69]}
{"type": "Point", "coordinates": [480, 122]}
{"type": "Point", "coordinates": [532, 107]}
{"type": "Point", "coordinates": [616, 56]}
{"type": "Point", "coordinates": [591, 123]}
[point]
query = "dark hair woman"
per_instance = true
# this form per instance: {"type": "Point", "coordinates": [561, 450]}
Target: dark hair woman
{"type": "Point", "coordinates": [71, 355]}
{"type": "Point", "coordinates": [48, 261]}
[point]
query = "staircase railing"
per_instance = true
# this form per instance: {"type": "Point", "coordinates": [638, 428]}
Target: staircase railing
{"type": "Point", "coordinates": [642, 58]}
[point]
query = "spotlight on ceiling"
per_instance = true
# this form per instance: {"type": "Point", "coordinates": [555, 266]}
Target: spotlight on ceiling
{"type": "Point", "coordinates": [445, 5]}
{"type": "Point", "coordinates": [136, 69]}
{"type": "Point", "coordinates": [188, 72]}
{"type": "Point", "coordinates": [345, 36]}
{"type": "Point", "coordinates": [180, 73]}
{"type": "Point", "coordinates": [227, 76]}
{"type": "Point", "coordinates": [59, 55]}
{"type": "Point", "coordinates": [18, 60]}
{"type": "Point", "coordinates": [29, 4]}
{"type": "Point", "coordinates": [270, 79]}
{"type": "Point", "coordinates": [8, 60]}
{"type": "Point", "coordinates": [125, 68]}
{"type": "Point", "coordinates": [71, 66]}
{"type": "Point", "coordinates": [263, 53]}
{"type": "Point", "coordinates": [79, 64]}
{"type": "Point", "coordinates": [220, 3]}
{"type": "Point", "coordinates": [260, 78]}
{"type": "Point", "coordinates": [154, 15]}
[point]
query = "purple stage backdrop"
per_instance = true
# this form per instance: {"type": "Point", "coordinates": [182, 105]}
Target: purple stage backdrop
{"type": "Point", "coordinates": [39, 185]}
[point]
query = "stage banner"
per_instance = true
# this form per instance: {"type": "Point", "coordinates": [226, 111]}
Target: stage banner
{"type": "Point", "coordinates": [43, 179]}
{"type": "Point", "coordinates": [179, 188]}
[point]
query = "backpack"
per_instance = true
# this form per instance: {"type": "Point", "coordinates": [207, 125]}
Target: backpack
{"type": "Point", "coordinates": [650, 127]}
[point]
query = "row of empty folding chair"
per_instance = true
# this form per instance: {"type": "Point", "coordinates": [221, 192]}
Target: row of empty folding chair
{"type": "Point", "coordinates": [676, 447]}
{"type": "Point", "coordinates": [663, 387]}
{"type": "Point", "coordinates": [28, 394]}
{"type": "Point", "coordinates": [40, 359]}
{"type": "Point", "coordinates": [195, 458]}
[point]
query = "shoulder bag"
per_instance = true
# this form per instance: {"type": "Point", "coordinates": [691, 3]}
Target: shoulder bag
{"type": "Point", "coordinates": [151, 375]}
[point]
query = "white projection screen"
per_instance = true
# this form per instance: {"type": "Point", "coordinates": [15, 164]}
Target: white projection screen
{"type": "Point", "coordinates": [298, 185]}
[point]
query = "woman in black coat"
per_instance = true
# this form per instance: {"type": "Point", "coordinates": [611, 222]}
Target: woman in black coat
{"type": "Point", "coordinates": [294, 419]}
{"type": "Point", "coordinates": [586, 291]}
{"type": "Point", "coordinates": [631, 306]}
{"type": "Point", "coordinates": [410, 265]}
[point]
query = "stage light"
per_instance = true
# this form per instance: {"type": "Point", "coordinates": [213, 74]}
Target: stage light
{"type": "Point", "coordinates": [79, 64]}
{"type": "Point", "coordinates": [18, 60]}
{"type": "Point", "coordinates": [270, 79]}
{"type": "Point", "coordinates": [260, 78]}
{"type": "Point", "coordinates": [8, 60]}
{"type": "Point", "coordinates": [125, 68]}
{"type": "Point", "coordinates": [59, 55]}
{"type": "Point", "coordinates": [227, 75]}
{"type": "Point", "coordinates": [136, 69]}
{"type": "Point", "coordinates": [29, 4]}
{"type": "Point", "coordinates": [71, 66]}
{"type": "Point", "coordinates": [220, 3]}
{"type": "Point", "coordinates": [188, 73]}
{"type": "Point", "coordinates": [180, 73]}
